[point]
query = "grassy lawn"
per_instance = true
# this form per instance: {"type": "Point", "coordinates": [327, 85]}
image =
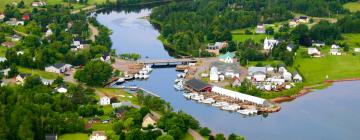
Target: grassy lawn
{"type": "Point", "coordinates": [255, 37]}
{"type": "Point", "coordinates": [74, 136]}
{"type": "Point", "coordinates": [187, 136]}
{"type": "Point", "coordinates": [43, 74]}
{"type": "Point", "coordinates": [353, 6]}
{"type": "Point", "coordinates": [2, 51]}
{"type": "Point", "coordinates": [315, 70]}
{"type": "Point", "coordinates": [119, 93]}
{"type": "Point", "coordinates": [353, 40]}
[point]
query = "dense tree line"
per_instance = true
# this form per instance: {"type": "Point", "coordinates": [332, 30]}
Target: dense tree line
{"type": "Point", "coordinates": [350, 23]}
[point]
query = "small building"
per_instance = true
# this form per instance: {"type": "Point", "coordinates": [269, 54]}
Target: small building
{"type": "Point", "coordinates": [304, 19]}
{"type": "Point", "coordinates": [260, 29]}
{"type": "Point", "coordinates": [48, 33]}
{"type": "Point", "coordinates": [287, 76]}
{"type": "Point", "coordinates": [15, 38]}
{"type": "Point", "coordinates": [78, 42]}
{"type": "Point", "coordinates": [335, 52]}
{"type": "Point", "coordinates": [58, 68]}
{"type": "Point", "coordinates": [47, 82]}
{"type": "Point", "coordinates": [121, 104]}
{"type": "Point", "coordinates": [290, 47]}
{"type": "Point", "coordinates": [293, 22]}
{"type": "Point", "coordinates": [2, 17]}
{"type": "Point", "coordinates": [51, 137]}
{"type": "Point", "coordinates": [198, 85]}
{"type": "Point", "coordinates": [252, 70]}
{"type": "Point", "coordinates": [8, 44]}
{"type": "Point", "coordinates": [259, 76]}
{"type": "Point", "coordinates": [98, 135]}
{"type": "Point", "coordinates": [214, 74]}
{"type": "Point", "coordinates": [235, 82]}
{"type": "Point", "coordinates": [15, 22]}
{"type": "Point", "coordinates": [297, 77]}
{"type": "Point", "coordinates": [25, 17]}
{"type": "Point", "coordinates": [318, 44]}
{"type": "Point", "coordinates": [61, 89]}
{"type": "Point", "coordinates": [5, 72]}
{"type": "Point", "coordinates": [215, 48]}
{"type": "Point", "coordinates": [20, 79]}
{"type": "Point", "coordinates": [2, 83]}
{"type": "Point", "coordinates": [38, 4]}
{"type": "Point", "coordinates": [334, 46]}
{"type": "Point", "coordinates": [105, 100]}
{"type": "Point", "coordinates": [357, 50]}
{"type": "Point", "coordinates": [149, 119]}
{"type": "Point", "coordinates": [227, 58]}
{"type": "Point", "coordinates": [19, 52]}
{"type": "Point", "coordinates": [314, 52]}
{"type": "Point", "coordinates": [270, 43]}
{"type": "Point", "coordinates": [2, 59]}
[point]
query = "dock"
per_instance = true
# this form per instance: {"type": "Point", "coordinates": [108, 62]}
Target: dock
{"type": "Point", "coordinates": [167, 61]}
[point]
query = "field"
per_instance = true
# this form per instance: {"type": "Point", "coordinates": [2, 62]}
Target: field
{"type": "Point", "coordinates": [74, 136]}
{"type": "Point", "coordinates": [43, 74]}
{"type": "Point", "coordinates": [255, 37]}
{"type": "Point", "coordinates": [353, 40]}
{"type": "Point", "coordinates": [2, 51]}
{"type": "Point", "coordinates": [187, 136]}
{"type": "Point", "coordinates": [315, 70]}
{"type": "Point", "coordinates": [119, 93]}
{"type": "Point", "coordinates": [353, 6]}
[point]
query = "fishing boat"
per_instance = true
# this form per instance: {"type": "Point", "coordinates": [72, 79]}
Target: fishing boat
{"type": "Point", "coordinates": [179, 87]}
{"type": "Point", "coordinates": [133, 87]}
{"type": "Point", "coordinates": [247, 111]}
{"type": "Point", "coordinates": [146, 76]}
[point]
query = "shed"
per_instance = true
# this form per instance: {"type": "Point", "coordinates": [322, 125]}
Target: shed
{"type": "Point", "coordinates": [198, 85]}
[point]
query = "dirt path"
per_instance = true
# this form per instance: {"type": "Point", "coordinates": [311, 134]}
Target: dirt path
{"type": "Point", "coordinates": [94, 32]}
{"type": "Point", "coordinates": [89, 8]}
{"type": "Point", "coordinates": [195, 134]}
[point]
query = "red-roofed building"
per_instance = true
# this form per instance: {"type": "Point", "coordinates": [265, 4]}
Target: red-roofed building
{"type": "Point", "coordinates": [25, 17]}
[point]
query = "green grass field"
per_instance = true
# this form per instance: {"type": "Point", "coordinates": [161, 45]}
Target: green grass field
{"type": "Point", "coordinates": [315, 70]}
{"type": "Point", "coordinates": [353, 40]}
{"type": "Point", "coordinates": [41, 73]}
{"type": "Point", "coordinates": [74, 136]}
{"type": "Point", "coordinates": [187, 136]}
{"type": "Point", "coordinates": [120, 94]}
{"type": "Point", "coordinates": [255, 37]}
{"type": "Point", "coordinates": [353, 6]}
{"type": "Point", "coordinates": [2, 51]}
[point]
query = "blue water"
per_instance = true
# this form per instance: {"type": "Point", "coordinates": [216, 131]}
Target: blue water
{"type": "Point", "coordinates": [329, 114]}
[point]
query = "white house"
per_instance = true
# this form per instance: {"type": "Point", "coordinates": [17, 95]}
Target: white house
{"type": "Point", "coordinates": [236, 82]}
{"type": "Point", "coordinates": [270, 43]}
{"type": "Point", "coordinates": [105, 57]}
{"type": "Point", "coordinates": [15, 22]}
{"type": "Point", "coordinates": [48, 33]}
{"type": "Point", "coordinates": [105, 100]}
{"type": "Point", "coordinates": [214, 74]}
{"type": "Point", "coordinates": [38, 4]}
{"type": "Point", "coordinates": [20, 79]}
{"type": "Point", "coordinates": [58, 68]}
{"type": "Point", "coordinates": [304, 19]}
{"type": "Point", "coordinates": [260, 29]}
{"type": "Point", "coordinates": [61, 89]}
{"type": "Point", "coordinates": [335, 52]}
{"type": "Point", "coordinates": [290, 47]}
{"type": "Point", "coordinates": [287, 76]}
{"type": "Point", "coordinates": [297, 77]}
{"type": "Point", "coordinates": [356, 49]}
{"type": "Point", "coordinates": [253, 70]}
{"type": "Point", "coordinates": [2, 59]}
{"type": "Point", "coordinates": [227, 58]}
{"type": "Point", "coordinates": [15, 38]}
{"type": "Point", "coordinates": [19, 52]}
{"type": "Point", "coordinates": [318, 44]}
{"type": "Point", "coordinates": [117, 105]}
{"type": "Point", "coordinates": [98, 135]}
{"type": "Point", "coordinates": [314, 52]}
{"type": "Point", "coordinates": [5, 72]}
{"type": "Point", "coordinates": [46, 81]}
{"type": "Point", "coordinates": [334, 46]}
{"type": "Point", "coordinates": [259, 76]}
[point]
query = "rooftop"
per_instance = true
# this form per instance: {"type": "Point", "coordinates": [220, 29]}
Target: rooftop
{"type": "Point", "coordinates": [196, 84]}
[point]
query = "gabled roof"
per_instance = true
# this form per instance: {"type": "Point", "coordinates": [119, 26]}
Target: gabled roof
{"type": "Point", "coordinates": [151, 116]}
{"type": "Point", "coordinates": [196, 84]}
{"type": "Point", "coordinates": [228, 54]}
{"type": "Point", "coordinates": [22, 75]}
{"type": "Point", "coordinates": [59, 65]}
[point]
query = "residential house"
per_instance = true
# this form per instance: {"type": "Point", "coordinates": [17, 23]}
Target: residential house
{"type": "Point", "coordinates": [235, 82]}
{"type": "Point", "coordinates": [270, 43]}
{"type": "Point", "coordinates": [2, 17]}
{"type": "Point", "coordinates": [215, 48]}
{"type": "Point", "coordinates": [47, 82]}
{"type": "Point", "coordinates": [314, 52]}
{"type": "Point", "coordinates": [335, 52]}
{"type": "Point", "coordinates": [5, 72]}
{"type": "Point", "coordinates": [58, 68]}
{"type": "Point", "coordinates": [304, 19]}
{"type": "Point", "coordinates": [357, 50]}
{"type": "Point", "coordinates": [15, 22]}
{"type": "Point", "coordinates": [38, 4]}
{"type": "Point", "coordinates": [260, 29]}
{"type": "Point", "coordinates": [293, 22]}
{"type": "Point", "coordinates": [105, 57]}
{"type": "Point", "coordinates": [51, 137]}
{"type": "Point", "coordinates": [2, 59]}
{"type": "Point", "coordinates": [78, 42]}
{"type": "Point", "coordinates": [290, 47]}
{"type": "Point", "coordinates": [121, 104]}
{"type": "Point", "coordinates": [19, 52]}
{"type": "Point", "coordinates": [20, 79]}
{"type": "Point", "coordinates": [227, 58]}
{"type": "Point", "coordinates": [259, 76]}
{"type": "Point", "coordinates": [214, 74]}
{"type": "Point", "coordinates": [15, 38]}
{"type": "Point", "coordinates": [149, 119]}
{"type": "Point", "coordinates": [297, 77]}
{"type": "Point", "coordinates": [98, 135]}
{"type": "Point", "coordinates": [334, 46]}
{"type": "Point", "coordinates": [48, 33]}
{"type": "Point", "coordinates": [252, 70]}
{"type": "Point", "coordinates": [287, 76]}
{"type": "Point", "coordinates": [2, 83]}
{"type": "Point", "coordinates": [8, 44]}
{"type": "Point", "coordinates": [61, 89]}
{"type": "Point", "coordinates": [105, 100]}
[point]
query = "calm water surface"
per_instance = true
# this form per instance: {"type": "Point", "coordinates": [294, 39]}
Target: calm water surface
{"type": "Point", "coordinates": [329, 114]}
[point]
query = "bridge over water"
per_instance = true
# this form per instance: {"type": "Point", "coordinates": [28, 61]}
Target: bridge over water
{"type": "Point", "coordinates": [167, 61]}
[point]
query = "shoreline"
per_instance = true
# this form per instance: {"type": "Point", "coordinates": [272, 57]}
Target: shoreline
{"type": "Point", "coordinates": [309, 89]}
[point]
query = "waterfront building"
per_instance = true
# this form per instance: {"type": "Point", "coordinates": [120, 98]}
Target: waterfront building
{"type": "Point", "coordinates": [214, 74]}
{"type": "Point", "coordinates": [238, 95]}
{"type": "Point", "coordinates": [198, 85]}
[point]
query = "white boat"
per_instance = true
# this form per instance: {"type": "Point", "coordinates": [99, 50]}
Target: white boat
{"type": "Point", "coordinates": [179, 80]}
{"type": "Point", "coordinates": [181, 75]}
{"type": "Point", "coordinates": [146, 76]}
{"type": "Point", "coordinates": [137, 76]}
{"type": "Point", "coordinates": [208, 101]}
{"type": "Point", "coordinates": [247, 111]}
{"type": "Point", "coordinates": [187, 95]}
{"type": "Point", "coordinates": [179, 87]}
{"type": "Point", "coordinates": [133, 87]}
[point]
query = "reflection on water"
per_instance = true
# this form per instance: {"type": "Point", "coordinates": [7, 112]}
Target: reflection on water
{"type": "Point", "coordinates": [329, 114]}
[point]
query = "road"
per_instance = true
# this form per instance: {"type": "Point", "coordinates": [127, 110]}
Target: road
{"type": "Point", "coordinates": [94, 32]}
{"type": "Point", "coordinates": [195, 134]}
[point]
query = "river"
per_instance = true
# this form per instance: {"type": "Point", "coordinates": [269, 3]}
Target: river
{"type": "Point", "coordinates": [330, 114]}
